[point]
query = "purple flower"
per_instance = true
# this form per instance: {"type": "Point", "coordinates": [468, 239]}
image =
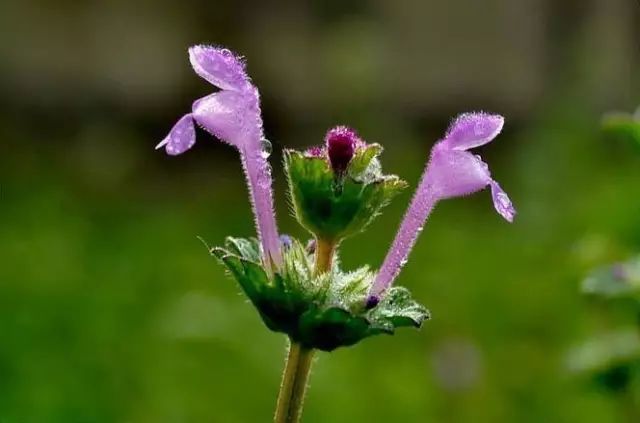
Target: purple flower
{"type": "Point", "coordinates": [233, 115]}
{"type": "Point", "coordinates": [452, 171]}
{"type": "Point", "coordinates": [341, 143]}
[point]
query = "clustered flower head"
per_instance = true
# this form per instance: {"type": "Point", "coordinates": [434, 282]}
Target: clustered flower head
{"type": "Point", "coordinates": [337, 189]}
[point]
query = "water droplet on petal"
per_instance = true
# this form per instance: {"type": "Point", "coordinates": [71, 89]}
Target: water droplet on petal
{"type": "Point", "coordinates": [265, 148]}
{"type": "Point", "coordinates": [483, 164]}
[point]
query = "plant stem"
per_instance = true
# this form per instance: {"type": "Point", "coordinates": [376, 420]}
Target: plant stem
{"type": "Point", "coordinates": [299, 359]}
{"type": "Point", "coordinates": [324, 255]}
{"type": "Point", "coordinates": [294, 384]}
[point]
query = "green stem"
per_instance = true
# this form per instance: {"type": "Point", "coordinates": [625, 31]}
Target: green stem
{"type": "Point", "coordinates": [294, 384]}
{"type": "Point", "coordinates": [299, 358]}
{"type": "Point", "coordinates": [324, 255]}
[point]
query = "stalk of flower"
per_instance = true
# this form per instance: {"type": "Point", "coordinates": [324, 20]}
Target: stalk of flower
{"type": "Point", "coordinates": [232, 115]}
{"type": "Point", "coordinates": [452, 171]}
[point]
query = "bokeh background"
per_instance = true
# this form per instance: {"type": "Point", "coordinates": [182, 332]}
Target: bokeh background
{"type": "Point", "coordinates": [111, 309]}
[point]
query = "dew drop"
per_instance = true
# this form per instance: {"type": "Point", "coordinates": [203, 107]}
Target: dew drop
{"type": "Point", "coordinates": [483, 164]}
{"type": "Point", "coordinates": [265, 148]}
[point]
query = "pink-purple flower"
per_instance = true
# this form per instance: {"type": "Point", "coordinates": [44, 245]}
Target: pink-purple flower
{"type": "Point", "coordinates": [452, 171]}
{"type": "Point", "coordinates": [232, 115]}
{"type": "Point", "coordinates": [336, 189]}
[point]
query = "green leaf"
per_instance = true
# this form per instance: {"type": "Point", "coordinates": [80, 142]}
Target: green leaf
{"type": "Point", "coordinates": [349, 290]}
{"type": "Point", "coordinates": [251, 276]}
{"type": "Point", "coordinates": [363, 158]}
{"type": "Point", "coordinates": [399, 309]}
{"type": "Point", "coordinates": [248, 249]}
{"type": "Point", "coordinates": [323, 312]}
{"type": "Point", "coordinates": [331, 328]}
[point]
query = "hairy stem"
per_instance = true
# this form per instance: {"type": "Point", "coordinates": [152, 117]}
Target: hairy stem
{"type": "Point", "coordinates": [294, 384]}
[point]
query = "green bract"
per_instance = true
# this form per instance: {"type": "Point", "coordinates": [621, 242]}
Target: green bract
{"type": "Point", "coordinates": [323, 312]}
{"type": "Point", "coordinates": [333, 207]}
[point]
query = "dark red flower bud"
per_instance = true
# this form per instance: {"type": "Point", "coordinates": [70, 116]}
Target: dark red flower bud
{"type": "Point", "coordinates": [341, 144]}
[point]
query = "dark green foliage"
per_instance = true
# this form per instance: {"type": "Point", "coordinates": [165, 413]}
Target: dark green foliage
{"type": "Point", "coordinates": [610, 359]}
{"type": "Point", "coordinates": [325, 311]}
{"type": "Point", "coordinates": [615, 379]}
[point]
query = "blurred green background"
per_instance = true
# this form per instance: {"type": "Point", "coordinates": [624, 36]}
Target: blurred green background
{"type": "Point", "coordinates": [111, 309]}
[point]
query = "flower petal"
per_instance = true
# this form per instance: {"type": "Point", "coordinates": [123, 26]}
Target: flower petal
{"type": "Point", "coordinates": [502, 203]}
{"type": "Point", "coordinates": [453, 173]}
{"type": "Point", "coordinates": [181, 137]}
{"type": "Point", "coordinates": [472, 130]}
{"type": "Point", "coordinates": [228, 116]}
{"type": "Point", "coordinates": [219, 66]}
